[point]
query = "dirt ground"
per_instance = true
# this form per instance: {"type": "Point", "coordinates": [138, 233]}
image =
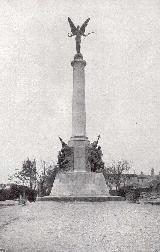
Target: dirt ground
{"type": "Point", "coordinates": [80, 227]}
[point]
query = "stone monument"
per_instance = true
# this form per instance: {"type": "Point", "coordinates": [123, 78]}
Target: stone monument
{"type": "Point", "coordinates": [77, 160]}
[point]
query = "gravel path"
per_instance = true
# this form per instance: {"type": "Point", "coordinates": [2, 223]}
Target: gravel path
{"type": "Point", "coordinates": [81, 227]}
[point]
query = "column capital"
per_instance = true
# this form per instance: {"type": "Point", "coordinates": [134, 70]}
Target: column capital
{"type": "Point", "coordinates": [78, 60]}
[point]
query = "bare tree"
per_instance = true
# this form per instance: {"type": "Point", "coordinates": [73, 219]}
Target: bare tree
{"type": "Point", "coordinates": [27, 175]}
{"type": "Point", "coordinates": [114, 173]}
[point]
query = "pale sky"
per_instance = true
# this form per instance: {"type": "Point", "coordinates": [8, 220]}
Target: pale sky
{"type": "Point", "coordinates": [122, 79]}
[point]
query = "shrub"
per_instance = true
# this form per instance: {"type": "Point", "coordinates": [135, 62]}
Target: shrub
{"type": "Point", "coordinates": [15, 191]}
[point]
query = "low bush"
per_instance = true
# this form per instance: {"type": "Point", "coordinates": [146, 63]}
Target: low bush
{"type": "Point", "coordinates": [15, 191]}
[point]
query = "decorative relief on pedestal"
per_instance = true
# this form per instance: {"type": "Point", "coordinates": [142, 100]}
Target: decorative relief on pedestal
{"type": "Point", "coordinates": [94, 160]}
{"type": "Point", "coordinates": [65, 157]}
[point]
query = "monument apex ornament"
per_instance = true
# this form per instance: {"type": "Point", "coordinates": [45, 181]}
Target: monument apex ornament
{"type": "Point", "coordinates": [78, 32]}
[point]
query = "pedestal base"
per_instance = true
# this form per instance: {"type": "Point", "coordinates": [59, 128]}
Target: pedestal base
{"type": "Point", "coordinates": [81, 198]}
{"type": "Point", "coordinates": [79, 184]}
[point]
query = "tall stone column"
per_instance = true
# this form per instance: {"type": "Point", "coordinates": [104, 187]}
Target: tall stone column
{"type": "Point", "coordinates": [79, 140]}
{"type": "Point", "coordinates": [78, 99]}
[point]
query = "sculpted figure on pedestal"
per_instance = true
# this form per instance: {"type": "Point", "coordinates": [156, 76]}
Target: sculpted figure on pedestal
{"type": "Point", "coordinates": [65, 157]}
{"type": "Point", "coordinates": [62, 142]}
{"type": "Point", "coordinates": [95, 157]}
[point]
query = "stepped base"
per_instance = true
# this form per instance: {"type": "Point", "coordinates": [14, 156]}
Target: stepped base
{"type": "Point", "coordinates": [81, 198]}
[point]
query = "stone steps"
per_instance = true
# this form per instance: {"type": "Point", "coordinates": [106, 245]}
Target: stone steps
{"type": "Point", "coordinates": [84, 198]}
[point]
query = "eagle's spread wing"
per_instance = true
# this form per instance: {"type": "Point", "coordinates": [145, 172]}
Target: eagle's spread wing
{"type": "Point", "coordinates": [83, 27]}
{"type": "Point", "coordinates": [73, 28]}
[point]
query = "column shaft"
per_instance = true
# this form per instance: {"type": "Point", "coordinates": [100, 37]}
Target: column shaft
{"type": "Point", "coordinates": [78, 99]}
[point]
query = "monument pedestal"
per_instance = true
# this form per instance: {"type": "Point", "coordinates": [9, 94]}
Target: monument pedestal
{"type": "Point", "coordinates": [80, 186]}
{"type": "Point", "coordinates": [80, 183]}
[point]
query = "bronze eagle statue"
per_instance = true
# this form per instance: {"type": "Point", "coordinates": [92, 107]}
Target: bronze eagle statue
{"type": "Point", "coordinates": [78, 32]}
